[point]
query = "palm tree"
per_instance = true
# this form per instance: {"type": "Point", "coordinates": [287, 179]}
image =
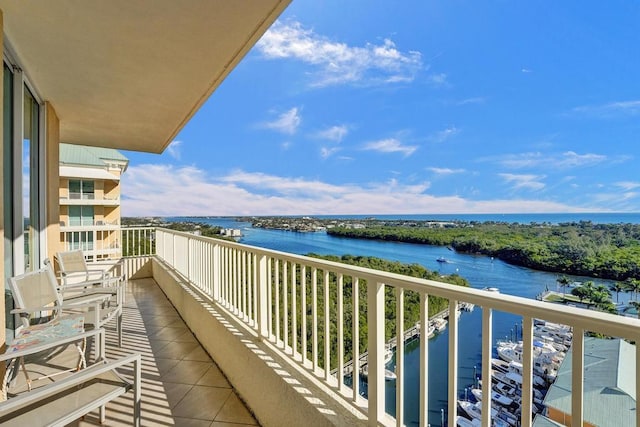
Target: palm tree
{"type": "Point", "coordinates": [601, 297]}
{"type": "Point", "coordinates": [617, 287]}
{"type": "Point", "coordinates": [633, 285]}
{"type": "Point", "coordinates": [581, 292]}
{"type": "Point", "coordinates": [563, 281]}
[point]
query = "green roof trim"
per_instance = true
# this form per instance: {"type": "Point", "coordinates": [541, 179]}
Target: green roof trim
{"type": "Point", "coordinates": [609, 383]}
{"type": "Point", "coordinates": [90, 156]}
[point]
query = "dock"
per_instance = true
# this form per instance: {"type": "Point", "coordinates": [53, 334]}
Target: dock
{"type": "Point", "coordinates": [409, 335]}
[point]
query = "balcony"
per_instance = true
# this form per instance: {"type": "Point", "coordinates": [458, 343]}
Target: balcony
{"type": "Point", "coordinates": [272, 321]}
{"type": "Point", "coordinates": [89, 199]}
{"type": "Point", "coordinates": [89, 225]}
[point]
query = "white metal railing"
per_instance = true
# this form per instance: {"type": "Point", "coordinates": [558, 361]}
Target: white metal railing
{"type": "Point", "coordinates": [292, 301]}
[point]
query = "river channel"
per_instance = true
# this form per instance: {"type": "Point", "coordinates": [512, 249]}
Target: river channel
{"type": "Point", "coordinates": [480, 271]}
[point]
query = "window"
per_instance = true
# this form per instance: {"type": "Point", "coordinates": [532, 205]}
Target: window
{"type": "Point", "coordinates": [79, 240]}
{"type": "Point", "coordinates": [80, 216]}
{"type": "Point", "coordinates": [81, 189]}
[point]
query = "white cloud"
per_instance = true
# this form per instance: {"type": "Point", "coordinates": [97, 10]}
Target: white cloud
{"type": "Point", "coordinates": [611, 109]}
{"type": "Point", "coordinates": [526, 181]}
{"type": "Point", "coordinates": [286, 122]}
{"type": "Point", "coordinates": [566, 160]}
{"type": "Point", "coordinates": [439, 79]}
{"type": "Point", "coordinates": [326, 152]}
{"type": "Point", "coordinates": [334, 133]}
{"type": "Point", "coordinates": [338, 63]}
{"type": "Point", "coordinates": [174, 149]}
{"type": "Point", "coordinates": [526, 70]}
{"type": "Point", "coordinates": [165, 190]}
{"type": "Point", "coordinates": [390, 145]}
{"type": "Point", "coordinates": [445, 171]}
{"type": "Point", "coordinates": [627, 185]}
{"type": "Point", "coordinates": [444, 134]}
{"type": "Point", "coordinates": [469, 101]}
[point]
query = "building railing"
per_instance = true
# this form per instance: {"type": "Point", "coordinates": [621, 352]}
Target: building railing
{"type": "Point", "coordinates": [308, 306]}
{"type": "Point", "coordinates": [89, 197]}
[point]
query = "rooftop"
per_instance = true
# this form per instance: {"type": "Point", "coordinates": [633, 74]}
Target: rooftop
{"type": "Point", "coordinates": [609, 383]}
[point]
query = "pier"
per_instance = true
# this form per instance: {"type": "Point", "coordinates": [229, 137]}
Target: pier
{"type": "Point", "coordinates": [409, 335]}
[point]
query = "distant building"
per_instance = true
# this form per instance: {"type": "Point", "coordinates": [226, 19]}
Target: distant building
{"type": "Point", "coordinates": [609, 386]}
{"type": "Point", "coordinates": [231, 232]}
{"type": "Point", "coordinates": [90, 199]}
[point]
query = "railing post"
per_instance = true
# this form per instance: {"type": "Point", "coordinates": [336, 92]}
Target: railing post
{"type": "Point", "coordinates": [527, 371]}
{"type": "Point", "coordinates": [216, 272]}
{"type": "Point", "coordinates": [577, 377]}
{"type": "Point", "coordinates": [263, 301]}
{"type": "Point", "coordinates": [487, 349]}
{"type": "Point", "coordinates": [375, 357]}
{"type": "Point", "coordinates": [424, 358]}
{"type": "Point", "coordinates": [453, 362]}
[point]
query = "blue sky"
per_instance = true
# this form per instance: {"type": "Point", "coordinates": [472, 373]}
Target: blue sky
{"type": "Point", "coordinates": [415, 107]}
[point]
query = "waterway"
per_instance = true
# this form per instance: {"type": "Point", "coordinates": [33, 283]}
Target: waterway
{"type": "Point", "coordinates": [480, 271]}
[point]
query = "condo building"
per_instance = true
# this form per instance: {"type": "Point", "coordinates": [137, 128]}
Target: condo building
{"type": "Point", "coordinates": [90, 200]}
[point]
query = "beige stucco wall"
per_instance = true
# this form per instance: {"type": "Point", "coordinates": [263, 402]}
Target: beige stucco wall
{"type": "Point", "coordinates": [52, 175]}
{"type": "Point", "coordinates": [277, 392]}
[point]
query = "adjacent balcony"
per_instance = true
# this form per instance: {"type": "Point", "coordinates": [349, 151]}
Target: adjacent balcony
{"type": "Point", "coordinates": [89, 199]}
{"type": "Point", "coordinates": [284, 330]}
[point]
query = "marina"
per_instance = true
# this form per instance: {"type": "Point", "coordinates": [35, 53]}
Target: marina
{"type": "Point", "coordinates": [480, 271]}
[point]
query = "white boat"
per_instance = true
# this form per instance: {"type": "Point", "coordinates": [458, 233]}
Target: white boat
{"type": "Point", "coordinates": [442, 259]}
{"type": "Point", "coordinates": [388, 375]}
{"type": "Point", "coordinates": [499, 418]}
{"type": "Point", "coordinates": [491, 289]}
{"type": "Point", "coordinates": [495, 397]}
{"type": "Point", "coordinates": [465, 422]}
{"type": "Point", "coordinates": [388, 355]}
{"type": "Point", "coordinates": [439, 324]}
{"type": "Point", "coordinates": [499, 365]}
{"type": "Point", "coordinates": [467, 306]}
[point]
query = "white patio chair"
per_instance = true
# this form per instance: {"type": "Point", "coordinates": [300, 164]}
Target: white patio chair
{"type": "Point", "coordinates": [78, 278]}
{"type": "Point", "coordinates": [74, 272]}
{"type": "Point", "coordinates": [37, 295]}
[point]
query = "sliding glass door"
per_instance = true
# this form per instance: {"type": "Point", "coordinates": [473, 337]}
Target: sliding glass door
{"type": "Point", "coordinates": [23, 178]}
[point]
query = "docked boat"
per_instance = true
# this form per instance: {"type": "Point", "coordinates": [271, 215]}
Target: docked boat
{"type": "Point", "coordinates": [465, 422]}
{"type": "Point", "coordinates": [500, 418]}
{"type": "Point", "coordinates": [495, 397]}
{"type": "Point", "coordinates": [439, 324]}
{"type": "Point", "coordinates": [500, 365]}
{"type": "Point", "coordinates": [388, 374]}
{"type": "Point", "coordinates": [388, 355]}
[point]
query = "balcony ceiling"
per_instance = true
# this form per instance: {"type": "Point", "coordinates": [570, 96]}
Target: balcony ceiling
{"type": "Point", "coordinates": [130, 74]}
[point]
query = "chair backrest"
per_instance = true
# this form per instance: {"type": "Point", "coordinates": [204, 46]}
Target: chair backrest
{"type": "Point", "coordinates": [72, 262]}
{"type": "Point", "coordinates": [34, 290]}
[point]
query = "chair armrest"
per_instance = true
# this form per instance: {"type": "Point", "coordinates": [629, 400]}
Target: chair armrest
{"type": "Point", "coordinates": [90, 284]}
{"type": "Point", "coordinates": [53, 344]}
{"type": "Point", "coordinates": [76, 380]}
{"type": "Point", "coordinates": [89, 301]}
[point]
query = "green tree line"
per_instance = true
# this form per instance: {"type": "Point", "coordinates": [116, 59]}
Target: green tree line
{"type": "Point", "coordinates": [411, 303]}
{"type": "Point", "coordinates": [608, 251]}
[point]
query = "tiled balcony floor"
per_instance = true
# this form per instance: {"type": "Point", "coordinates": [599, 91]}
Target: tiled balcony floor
{"type": "Point", "coordinates": [181, 385]}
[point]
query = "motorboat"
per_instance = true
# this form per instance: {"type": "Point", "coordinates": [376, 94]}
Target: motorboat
{"type": "Point", "coordinates": [499, 365]}
{"type": "Point", "coordinates": [442, 259]}
{"type": "Point", "coordinates": [439, 324]}
{"type": "Point", "coordinates": [388, 374]}
{"type": "Point", "coordinates": [465, 422]}
{"type": "Point", "coordinates": [495, 397]}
